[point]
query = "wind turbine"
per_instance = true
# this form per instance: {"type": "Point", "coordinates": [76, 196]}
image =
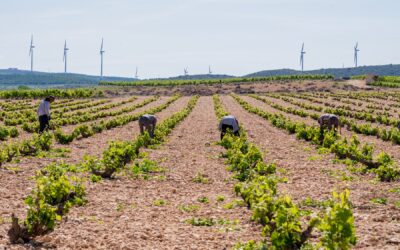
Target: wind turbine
{"type": "Point", "coordinates": [136, 73]}
{"type": "Point", "coordinates": [31, 47]}
{"type": "Point", "coordinates": [302, 52]}
{"type": "Point", "coordinates": [209, 70]}
{"type": "Point", "coordinates": [356, 54]}
{"type": "Point", "coordinates": [65, 56]}
{"type": "Point", "coordinates": [185, 71]}
{"type": "Point", "coordinates": [101, 55]}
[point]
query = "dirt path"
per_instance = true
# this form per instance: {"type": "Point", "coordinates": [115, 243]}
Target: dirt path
{"type": "Point", "coordinates": [17, 184]}
{"type": "Point", "coordinates": [139, 224]}
{"type": "Point", "coordinates": [358, 83]}
{"type": "Point", "coordinates": [377, 225]}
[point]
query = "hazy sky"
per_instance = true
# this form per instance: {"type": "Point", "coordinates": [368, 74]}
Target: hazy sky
{"type": "Point", "coordinates": [162, 37]}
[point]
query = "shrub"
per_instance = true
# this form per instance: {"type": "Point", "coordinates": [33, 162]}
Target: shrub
{"type": "Point", "coordinates": [43, 141]}
{"type": "Point", "coordinates": [65, 138]}
{"type": "Point", "coordinates": [337, 225]}
{"type": "Point", "coordinates": [4, 133]}
{"type": "Point", "coordinates": [14, 132]}
{"type": "Point", "coordinates": [85, 131]}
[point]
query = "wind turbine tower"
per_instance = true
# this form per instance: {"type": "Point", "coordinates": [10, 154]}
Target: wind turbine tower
{"type": "Point", "coordinates": [31, 47]}
{"type": "Point", "coordinates": [356, 55]}
{"type": "Point", "coordinates": [209, 70]}
{"type": "Point", "coordinates": [65, 56]}
{"type": "Point", "coordinates": [185, 71]}
{"type": "Point", "coordinates": [302, 52]}
{"type": "Point", "coordinates": [136, 73]}
{"type": "Point", "coordinates": [101, 55]}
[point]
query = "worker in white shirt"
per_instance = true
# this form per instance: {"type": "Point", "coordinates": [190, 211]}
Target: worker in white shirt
{"type": "Point", "coordinates": [229, 122]}
{"type": "Point", "coordinates": [43, 113]}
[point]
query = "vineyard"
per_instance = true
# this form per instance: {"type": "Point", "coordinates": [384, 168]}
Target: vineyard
{"type": "Point", "coordinates": [93, 181]}
{"type": "Point", "coordinates": [180, 82]}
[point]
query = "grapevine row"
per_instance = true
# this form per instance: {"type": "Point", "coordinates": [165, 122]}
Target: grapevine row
{"type": "Point", "coordinates": [44, 142]}
{"type": "Point", "coordinates": [392, 134]}
{"type": "Point", "coordinates": [383, 165]}
{"type": "Point", "coordinates": [281, 219]}
{"type": "Point", "coordinates": [218, 81]}
{"type": "Point", "coordinates": [87, 116]}
{"type": "Point", "coordinates": [16, 118]}
{"type": "Point", "coordinates": [86, 131]}
{"type": "Point", "coordinates": [59, 186]}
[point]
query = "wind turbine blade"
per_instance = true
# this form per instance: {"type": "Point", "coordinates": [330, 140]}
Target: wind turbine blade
{"type": "Point", "coordinates": [31, 45]}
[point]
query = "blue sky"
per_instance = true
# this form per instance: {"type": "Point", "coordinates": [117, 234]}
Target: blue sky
{"type": "Point", "coordinates": [162, 37]}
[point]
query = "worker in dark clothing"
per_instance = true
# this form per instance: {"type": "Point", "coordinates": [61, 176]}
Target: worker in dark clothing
{"type": "Point", "coordinates": [148, 123]}
{"type": "Point", "coordinates": [330, 121]}
{"type": "Point", "coordinates": [229, 122]}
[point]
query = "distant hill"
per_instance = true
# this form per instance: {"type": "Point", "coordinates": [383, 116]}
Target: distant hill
{"type": "Point", "coordinates": [386, 70]}
{"type": "Point", "coordinates": [11, 78]}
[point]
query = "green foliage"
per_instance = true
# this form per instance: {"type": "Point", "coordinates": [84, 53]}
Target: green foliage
{"type": "Point", "coordinates": [200, 178]}
{"type": "Point", "coordinates": [309, 202]}
{"type": "Point", "coordinates": [55, 193]}
{"type": "Point", "coordinates": [85, 131]}
{"type": "Point", "coordinates": [218, 108]}
{"type": "Point", "coordinates": [217, 81]}
{"type": "Point", "coordinates": [220, 198]}
{"type": "Point", "coordinates": [159, 203]}
{"type": "Point", "coordinates": [33, 146]}
{"type": "Point", "coordinates": [115, 157]}
{"type": "Point", "coordinates": [64, 138]}
{"type": "Point", "coordinates": [337, 225]}
{"type": "Point", "coordinates": [144, 168]}
{"type": "Point", "coordinates": [201, 222]}
{"type": "Point", "coordinates": [250, 245]}
{"type": "Point", "coordinates": [14, 132]}
{"type": "Point", "coordinates": [41, 217]}
{"type": "Point", "coordinates": [286, 231]}
{"type": "Point", "coordinates": [386, 171]}
{"type": "Point", "coordinates": [30, 127]}
{"type": "Point", "coordinates": [381, 201]}
{"type": "Point", "coordinates": [43, 141]}
{"type": "Point", "coordinates": [37, 93]}
{"type": "Point", "coordinates": [203, 199]}
{"type": "Point", "coordinates": [4, 133]}
{"type": "Point", "coordinates": [188, 208]}
{"type": "Point", "coordinates": [95, 178]}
